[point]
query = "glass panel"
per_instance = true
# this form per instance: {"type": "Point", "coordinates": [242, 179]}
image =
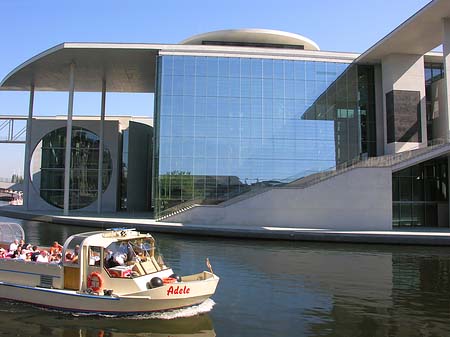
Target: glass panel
{"type": "Point", "coordinates": [48, 178]}
{"type": "Point", "coordinates": [236, 122]}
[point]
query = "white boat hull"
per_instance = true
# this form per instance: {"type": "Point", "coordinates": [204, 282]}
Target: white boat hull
{"type": "Point", "coordinates": [73, 301]}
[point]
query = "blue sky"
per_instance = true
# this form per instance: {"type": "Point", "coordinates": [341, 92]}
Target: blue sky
{"type": "Point", "coordinates": [32, 26]}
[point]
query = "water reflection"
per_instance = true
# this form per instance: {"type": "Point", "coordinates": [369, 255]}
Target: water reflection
{"type": "Point", "coordinates": [271, 288]}
{"type": "Point", "coordinates": [24, 320]}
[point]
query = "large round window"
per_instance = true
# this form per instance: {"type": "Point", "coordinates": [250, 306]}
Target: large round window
{"type": "Point", "coordinates": [47, 167]}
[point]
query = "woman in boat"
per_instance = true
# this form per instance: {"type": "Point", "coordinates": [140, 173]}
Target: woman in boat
{"type": "Point", "coordinates": [55, 248]}
{"type": "Point", "coordinates": [73, 257]}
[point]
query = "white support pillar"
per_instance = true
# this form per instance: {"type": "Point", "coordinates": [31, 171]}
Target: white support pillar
{"type": "Point", "coordinates": [446, 92]}
{"type": "Point", "coordinates": [69, 139]}
{"type": "Point", "coordinates": [403, 77]}
{"type": "Point", "coordinates": [26, 165]}
{"type": "Point", "coordinates": [100, 150]}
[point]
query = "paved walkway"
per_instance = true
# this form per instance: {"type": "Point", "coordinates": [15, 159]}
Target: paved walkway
{"type": "Point", "coordinates": [145, 221]}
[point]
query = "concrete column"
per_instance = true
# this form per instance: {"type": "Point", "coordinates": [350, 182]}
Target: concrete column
{"type": "Point", "coordinates": [100, 150]}
{"type": "Point", "coordinates": [446, 87]}
{"type": "Point", "coordinates": [69, 139]}
{"type": "Point", "coordinates": [403, 77]}
{"type": "Point", "coordinates": [26, 166]}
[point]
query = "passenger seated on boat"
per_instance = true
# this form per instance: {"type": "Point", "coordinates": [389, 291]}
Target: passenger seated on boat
{"type": "Point", "coordinates": [42, 257]}
{"type": "Point", "coordinates": [16, 253]}
{"type": "Point", "coordinates": [13, 246]}
{"type": "Point", "coordinates": [55, 248]}
{"type": "Point", "coordinates": [73, 257]}
{"type": "Point", "coordinates": [27, 247]}
{"type": "Point", "coordinates": [120, 258]}
{"type": "Point", "coordinates": [24, 255]}
{"type": "Point", "coordinates": [34, 254]}
{"type": "Point", "coordinates": [55, 258]}
{"type": "Point", "coordinates": [3, 253]}
{"type": "Point", "coordinates": [109, 258]}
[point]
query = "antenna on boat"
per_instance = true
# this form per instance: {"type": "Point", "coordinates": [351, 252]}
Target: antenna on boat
{"type": "Point", "coordinates": [208, 264]}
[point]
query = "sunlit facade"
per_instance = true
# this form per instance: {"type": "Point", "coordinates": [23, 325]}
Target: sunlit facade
{"type": "Point", "coordinates": [255, 127]}
{"type": "Point", "coordinates": [225, 124]}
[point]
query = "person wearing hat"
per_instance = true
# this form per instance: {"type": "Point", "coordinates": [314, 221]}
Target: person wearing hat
{"type": "Point", "coordinates": [42, 257]}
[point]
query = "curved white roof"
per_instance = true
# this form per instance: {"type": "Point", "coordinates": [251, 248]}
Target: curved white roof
{"type": "Point", "coordinates": [252, 35]}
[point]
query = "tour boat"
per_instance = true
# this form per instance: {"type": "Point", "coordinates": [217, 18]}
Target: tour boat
{"type": "Point", "coordinates": [115, 272]}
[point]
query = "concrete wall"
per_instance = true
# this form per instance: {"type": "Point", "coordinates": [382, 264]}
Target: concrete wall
{"type": "Point", "coordinates": [404, 72]}
{"type": "Point", "coordinates": [360, 199]}
{"type": "Point", "coordinates": [41, 127]}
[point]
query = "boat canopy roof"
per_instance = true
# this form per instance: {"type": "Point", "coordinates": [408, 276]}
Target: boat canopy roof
{"type": "Point", "coordinates": [105, 238]}
{"type": "Point", "coordinates": [11, 231]}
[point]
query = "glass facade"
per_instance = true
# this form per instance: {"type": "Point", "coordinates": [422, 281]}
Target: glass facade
{"type": "Point", "coordinates": [226, 124]}
{"type": "Point", "coordinates": [366, 104]}
{"type": "Point", "coordinates": [48, 162]}
{"type": "Point", "coordinates": [420, 195]}
{"type": "Point", "coordinates": [124, 173]}
{"type": "Point", "coordinates": [433, 73]}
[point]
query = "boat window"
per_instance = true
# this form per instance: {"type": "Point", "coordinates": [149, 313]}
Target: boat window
{"type": "Point", "coordinates": [72, 250]}
{"type": "Point", "coordinates": [95, 256]}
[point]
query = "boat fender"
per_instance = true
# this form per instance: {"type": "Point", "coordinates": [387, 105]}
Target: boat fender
{"type": "Point", "coordinates": [168, 280]}
{"type": "Point", "coordinates": [95, 281]}
{"type": "Point", "coordinates": [107, 292]}
{"type": "Point", "coordinates": [176, 277]}
{"type": "Point", "coordinates": [155, 283]}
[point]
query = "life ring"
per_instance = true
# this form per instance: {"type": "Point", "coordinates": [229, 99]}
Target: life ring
{"type": "Point", "coordinates": [168, 280]}
{"type": "Point", "coordinates": [95, 281]}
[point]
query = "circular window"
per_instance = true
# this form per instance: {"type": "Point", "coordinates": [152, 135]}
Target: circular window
{"type": "Point", "coordinates": [47, 167]}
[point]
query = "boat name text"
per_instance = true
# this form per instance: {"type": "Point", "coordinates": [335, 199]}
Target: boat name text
{"type": "Point", "coordinates": [178, 290]}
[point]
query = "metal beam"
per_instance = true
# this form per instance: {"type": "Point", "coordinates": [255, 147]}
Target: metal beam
{"type": "Point", "coordinates": [100, 150]}
{"type": "Point", "coordinates": [26, 167]}
{"type": "Point", "coordinates": [69, 139]}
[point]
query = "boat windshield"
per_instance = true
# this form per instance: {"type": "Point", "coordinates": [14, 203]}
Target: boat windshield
{"type": "Point", "coordinates": [124, 251]}
{"type": "Point", "coordinates": [71, 249]}
{"type": "Point", "coordinates": [11, 231]}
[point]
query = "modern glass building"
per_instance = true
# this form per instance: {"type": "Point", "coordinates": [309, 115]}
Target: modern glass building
{"type": "Point", "coordinates": [254, 127]}
{"type": "Point", "coordinates": [225, 124]}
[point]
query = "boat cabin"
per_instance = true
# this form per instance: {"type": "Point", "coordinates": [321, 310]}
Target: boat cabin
{"type": "Point", "coordinates": [112, 256]}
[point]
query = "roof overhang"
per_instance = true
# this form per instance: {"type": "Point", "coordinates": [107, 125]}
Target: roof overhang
{"type": "Point", "coordinates": [418, 35]}
{"type": "Point", "coordinates": [126, 68]}
{"type": "Point", "coordinates": [252, 35]}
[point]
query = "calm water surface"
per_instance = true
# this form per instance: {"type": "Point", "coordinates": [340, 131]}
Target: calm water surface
{"type": "Point", "coordinates": [273, 288]}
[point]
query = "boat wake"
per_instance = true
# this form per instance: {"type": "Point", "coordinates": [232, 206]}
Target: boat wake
{"type": "Point", "coordinates": [195, 310]}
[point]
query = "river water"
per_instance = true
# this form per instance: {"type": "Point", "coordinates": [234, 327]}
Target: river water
{"type": "Point", "coordinates": [274, 288]}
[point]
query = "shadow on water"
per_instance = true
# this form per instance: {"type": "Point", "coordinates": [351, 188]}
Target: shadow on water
{"type": "Point", "coordinates": [277, 288]}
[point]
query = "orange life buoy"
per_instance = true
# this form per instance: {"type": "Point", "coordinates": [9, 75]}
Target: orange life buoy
{"type": "Point", "coordinates": [167, 280]}
{"type": "Point", "coordinates": [95, 281]}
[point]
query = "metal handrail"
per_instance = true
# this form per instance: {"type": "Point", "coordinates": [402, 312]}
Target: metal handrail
{"type": "Point", "coordinates": [177, 208]}
{"type": "Point", "coordinates": [382, 161]}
